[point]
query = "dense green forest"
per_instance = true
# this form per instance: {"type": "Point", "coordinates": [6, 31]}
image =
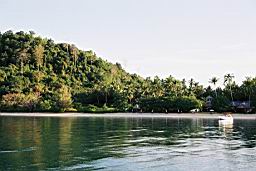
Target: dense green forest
{"type": "Point", "coordinates": [38, 75]}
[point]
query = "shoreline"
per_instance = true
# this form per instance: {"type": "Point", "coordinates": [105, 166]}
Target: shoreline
{"type": "Point", "coordinates": [131, 115]}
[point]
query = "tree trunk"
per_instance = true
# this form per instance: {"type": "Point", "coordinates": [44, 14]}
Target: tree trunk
{"type": "Point", "coordinates": [98, 101]}
{"type": "Point", "coordinates": [106, 98]}
{"type": "Point", "coordinates": [231, 94]}
{"type": "Point", "coordinates": [250, 100]}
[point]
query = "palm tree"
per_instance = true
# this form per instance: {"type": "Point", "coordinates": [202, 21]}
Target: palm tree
{"type": "Point", "coordinates": [175, 83]}
{"type": "Point", "coordinates": [228, 80]}
{"type": "Point", "coordinates": [213, 81]}
{"type": "Point", "coordinates": [170, 86]}
{"type": "Point", "coordinates": [157, 87]}
{"type": "Point", "coordinates": [184, 87]}
{"type": "Point", "coordinates": [191, 84]}
{"type": "Point", "coordinates": [248, 87]}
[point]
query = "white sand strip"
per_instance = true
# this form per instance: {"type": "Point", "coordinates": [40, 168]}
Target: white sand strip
{"type": "Point", "coordinates": [130, 115]}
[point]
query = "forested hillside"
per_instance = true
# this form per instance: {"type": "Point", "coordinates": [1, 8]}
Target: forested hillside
{"type": "Point", "coordinates": [37, 74]}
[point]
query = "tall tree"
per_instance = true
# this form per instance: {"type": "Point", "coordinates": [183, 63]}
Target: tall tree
{"type": "Point", "coordinates": [228, 81]}
{"type": "Point", "coordinates": [191, 84]}
{"type": "Point", "coordinates": [38, 53]}
{"type": "Point", "coordinates": [213, 81]}
{"type": "Point", "coordinates": [63, 98]}
{"type": "Point", "coordinates": [247, 84]}
{"type": "Point", "coordinates": [23, 56]}
{"type": "Point", "coordinates": [74, 53]}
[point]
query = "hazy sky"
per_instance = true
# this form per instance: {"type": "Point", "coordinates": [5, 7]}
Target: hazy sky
{"type": "Point", "coordinates": [183, 38]}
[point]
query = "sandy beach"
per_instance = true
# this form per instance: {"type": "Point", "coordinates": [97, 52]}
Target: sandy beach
{"type": "Point", "coordinates": [130, 115]}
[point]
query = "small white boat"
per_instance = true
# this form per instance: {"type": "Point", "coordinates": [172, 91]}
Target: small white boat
{"type": "Point", "coordinates": [227, 117]}
{"type": "Point", "coordinates": [226, 120]}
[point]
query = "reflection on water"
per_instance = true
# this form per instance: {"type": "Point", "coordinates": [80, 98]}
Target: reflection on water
{"type": "Point", "coordinates": [126, 144]}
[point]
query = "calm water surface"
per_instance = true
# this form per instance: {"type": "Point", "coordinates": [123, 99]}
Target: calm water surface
{"type": "Point", "coordinates": [126, 144]}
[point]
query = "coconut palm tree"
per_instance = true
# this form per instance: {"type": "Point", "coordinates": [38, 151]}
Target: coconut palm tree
{"type": "Point", "coordinates": [228, 80]}
{"type": "Point", "coordinates": [213, 81]}
{"type": "Point", "coordinates": [191, 84]}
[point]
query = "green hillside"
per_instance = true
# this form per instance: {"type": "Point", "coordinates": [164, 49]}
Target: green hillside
{"type": "Point", "coordinates": [38, 75]}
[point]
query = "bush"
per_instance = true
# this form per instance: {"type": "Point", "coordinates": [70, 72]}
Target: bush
{"type": "Point", "coordinates": [45, 106]}
{"type": "Point", "coordinates": [161, 104]}
{"type": "Point", "coordinates": [62, 99]}
{"type": "Point", "coordinates": [185, 104]}
{"type": "Point", "coordinates": [221, 104]}
{"type": "Point", "coordinates": [94, 109]}
{"type": "Point", "coordinates": [19, 102]}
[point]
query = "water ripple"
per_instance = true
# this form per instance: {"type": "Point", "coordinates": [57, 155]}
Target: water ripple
{"type": "Point", "coordinates": [29, 149]}
{"type": "Point", "coordinates": [126, 144]}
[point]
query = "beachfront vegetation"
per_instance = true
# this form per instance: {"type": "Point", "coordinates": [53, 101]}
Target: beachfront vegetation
{"type": "Point", "coordinates": [38, 75]}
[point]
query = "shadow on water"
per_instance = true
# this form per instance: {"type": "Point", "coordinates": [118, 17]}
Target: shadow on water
{"type": "Point", "coordinates": [124, 143]}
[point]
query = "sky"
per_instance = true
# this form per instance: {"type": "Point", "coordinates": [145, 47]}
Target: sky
{"type": "Point", "coordinates": [186, 39]}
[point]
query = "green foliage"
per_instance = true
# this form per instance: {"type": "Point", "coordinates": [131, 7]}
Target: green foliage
{"type": "Point", "coordinates": [37, 74]}
{"type": "Point", "coordinates": [95, 109]}
{"type": "Point", "coordinates": [45, 105]}
{"type": "Point", "coordinates": [221, 104]}
{"type": "Point", "coordinates": [19, 102]}
{"type": "Point", "coordinates": [185, 104]}
{"type": "Point", "coordinates": [180, 104]}
{"type": "Point", "coordinates": [62, 98]}
{"type": "Point", "coordinates": [2, 75]}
